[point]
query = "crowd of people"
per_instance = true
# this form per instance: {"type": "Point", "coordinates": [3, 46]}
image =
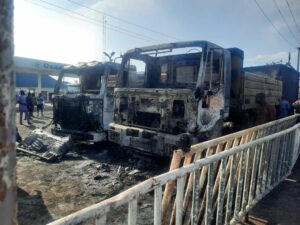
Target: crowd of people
{"type": "Point", "coordinates": [27, 104]}
{"type": "Point", "coordinates": [266, 112]}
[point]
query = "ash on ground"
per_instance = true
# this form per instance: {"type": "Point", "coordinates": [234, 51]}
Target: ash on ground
{"type": "Point", "coordinates": [86, 175]}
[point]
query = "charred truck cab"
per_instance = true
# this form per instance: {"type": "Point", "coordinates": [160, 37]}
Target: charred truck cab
{"type": "Point", "coordinates": [177, 95]}
{"type": "Point", "coordinates": [85, 109]}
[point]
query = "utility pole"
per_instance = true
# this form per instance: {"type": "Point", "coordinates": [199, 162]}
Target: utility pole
{"type": "Point", "coordinates": [104, 37]}
{"type": "Point", "coordinates": [8, 201]}
{"type": "Point", "coordinates": [298, 59]}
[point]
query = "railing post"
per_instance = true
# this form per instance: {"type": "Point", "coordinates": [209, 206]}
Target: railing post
{"type": "Point", "coordinates": [241, 176]}
{"type": "Point", "coordinates": [281, 151]}
{"type": "Point", "coordinates": [179, 200]}
{"type": "Point", "coordinates": [101, 220]}
{"type": "Point", "coordinates": [261, 166]}
{"type": "Point", "coordinates": [187, 160]}
{"type": "Point", "coordinates": [290, 150]}
{"type": "Point", "coordinates": [271, 164]}
{"type": "Point", "coordinates": [221, 195]}
{"type": "Point", "coordinates": [175, 163]}
{"type": "Point", "coordinates": [157, 205]}
{"type": "Point", "coordinates": [254, 179]}
{"type": "Point", "coordinates": [281, 170]}
{"type": "Point", "coordinates": [195, 197]}
{"type": "Point", "coordinates": [209, 190]}
{"type": "Point", "coordinates": [296, 147]}
{"type": "Point", "coordinates": [132, 211]}
{"type": "Point", "coordinates": [233, 166]}
{"type": "Point", "coordinates": [248, 172]}
{"type": "Point", "coordinates": [266, 162]}
{"type": "Point", "coordinates": [286, 155]}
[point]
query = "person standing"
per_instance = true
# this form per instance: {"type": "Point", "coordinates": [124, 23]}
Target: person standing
{"type": "Point", "coordinates": [264, 111]}
{"type": "Point", "coordinates": [34, 102]}
{"type": "Point", "coordinates": [283, 108]}
{"type": "Point", "coordinates": [296, 106]}
{"type": "Point", "coordinates": [29, 101]}
{"type": "Point", "coordinates": [40, 104]}
{"type": "Point", "coordinates": [22, 100]}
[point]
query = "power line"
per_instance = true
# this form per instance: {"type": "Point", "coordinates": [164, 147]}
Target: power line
{"type": "Point", "coordinates": [294, 19]}
{"type": "Point", "coordinates": [85, 20]}
{"type": "Point", "coordinates": [116, 27]}
{"type": "Point", "coordinates": [288, 26]}
{"type": "Point", "coordinates": [60, 12]}
{"type": "Point", "coordinates": [125, 21]}
{"type": "Point", "coordinates": [96, 22]}
{"type": "Point", "coordinates": [275, 28]}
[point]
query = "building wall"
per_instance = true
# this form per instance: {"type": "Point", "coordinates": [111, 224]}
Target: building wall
{"type": "Point", "coordinates": [34, 75]}
{"type": "Point", "coordinates": [29, 83]}
{"type": "Point", "coordinates": [26, 80]}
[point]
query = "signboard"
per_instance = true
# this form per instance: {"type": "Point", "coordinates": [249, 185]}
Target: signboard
{"type": "Point", "coordinates": [28, 65]}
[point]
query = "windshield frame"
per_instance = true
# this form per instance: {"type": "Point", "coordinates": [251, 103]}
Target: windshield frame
{"type": "Point", "coordinates": [146, 53]}
{"type": "Point", "coordinates": [86, 69]}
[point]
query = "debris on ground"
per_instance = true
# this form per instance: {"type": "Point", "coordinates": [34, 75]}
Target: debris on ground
{"type": "Point", "coordinates": [133, 172]}
{"type": "Point", "coordinates": [87, 174]}
{"type": "Point", "coordinates": [45, 145]}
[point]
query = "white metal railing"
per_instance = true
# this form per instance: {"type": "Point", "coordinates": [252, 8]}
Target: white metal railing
{"type": "Point", "coordinates": [217, 182]}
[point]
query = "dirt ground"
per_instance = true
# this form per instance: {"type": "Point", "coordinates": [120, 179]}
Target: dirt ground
{"type": "Point", "coordinates": [86, 175]}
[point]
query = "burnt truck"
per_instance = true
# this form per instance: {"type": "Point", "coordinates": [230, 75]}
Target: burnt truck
{"type": "Point", "coordinates": [84, 110]}
{"type": "Point", "coordinates": [182, 93]}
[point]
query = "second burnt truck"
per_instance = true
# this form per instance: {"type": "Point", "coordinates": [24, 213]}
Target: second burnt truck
{"type": "Point", "coordinates": [182, 93]}
{"type": "Point", "coordinates": [86, 109]}
{"type": "Point", "coordinates": [81, 111]}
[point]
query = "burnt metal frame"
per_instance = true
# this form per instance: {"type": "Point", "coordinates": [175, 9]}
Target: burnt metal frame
{"type": "Point", "coordinates": [133, 53]}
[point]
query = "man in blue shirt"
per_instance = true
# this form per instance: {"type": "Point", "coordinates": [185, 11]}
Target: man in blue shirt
{"type": "Point", "coordinates": [22, 100]}
{"type": "Point", "coordinates": [283, 108]}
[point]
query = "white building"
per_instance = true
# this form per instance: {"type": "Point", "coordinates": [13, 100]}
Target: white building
{"type": "Point", "coordinates": [34, 75]}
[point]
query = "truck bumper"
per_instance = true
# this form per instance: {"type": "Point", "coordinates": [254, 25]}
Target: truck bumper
{"type": "Point", "coordinates": [144, 140]}
{"type": "Point", "coordinates": [89, 137]}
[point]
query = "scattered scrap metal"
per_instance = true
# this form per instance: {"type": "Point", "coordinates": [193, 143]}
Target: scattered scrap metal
{"type": "Point", "coordinates": [44, 145]}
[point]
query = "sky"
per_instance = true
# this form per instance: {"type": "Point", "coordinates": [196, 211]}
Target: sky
{"type": "Point", "coordinates": [67, 32]}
